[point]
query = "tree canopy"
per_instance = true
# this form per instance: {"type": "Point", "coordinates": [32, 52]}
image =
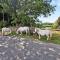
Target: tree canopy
{"type": "Point", "coordinates": [57, 23]}
{"type": "Point", "coordinates": [23, 11]}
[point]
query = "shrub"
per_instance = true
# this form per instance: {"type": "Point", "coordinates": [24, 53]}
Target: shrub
{"type": "Point", "coordinates": [1, 24]}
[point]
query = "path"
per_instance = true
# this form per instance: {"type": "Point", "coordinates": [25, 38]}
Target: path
{"type": "Point", "coordinates": [13, 48]}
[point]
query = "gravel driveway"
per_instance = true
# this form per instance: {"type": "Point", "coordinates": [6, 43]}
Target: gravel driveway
{"type": "Point", "coordinates": [13, 48]}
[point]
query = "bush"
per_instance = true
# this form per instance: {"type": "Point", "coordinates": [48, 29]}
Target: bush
{"type": "Point", "coordinates": [55, 25]}
{"type": "Point", "coordinates": [13, 33]}
{"type": "Point", "coordinates": [1, 24]}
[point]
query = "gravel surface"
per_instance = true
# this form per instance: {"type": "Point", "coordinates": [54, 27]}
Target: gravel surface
{"type": "Point", "coordinates": [13, 48]}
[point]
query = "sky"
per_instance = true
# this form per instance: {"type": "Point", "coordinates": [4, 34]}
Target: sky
{"type": "Point", "coordinates": [53, 17]}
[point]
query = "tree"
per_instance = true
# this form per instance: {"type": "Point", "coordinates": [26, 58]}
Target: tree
{"type": "Point", "coordinates": [57, 23]}
{"type": "Point", "coordinates": [32, 8]}
{"type": "Point", "coordinates": [38, 23]}
{"type": "Point", "coordinates": [5, 8]}
{"type": "Point", "coordinates": [24, 20]}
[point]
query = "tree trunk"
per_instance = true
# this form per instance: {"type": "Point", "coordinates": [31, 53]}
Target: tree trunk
{"type": "Point", "coordinates": [8, 19]}
{"type": "Point", "coordinates": [3, 19]}
{"type": "Point", "coordinates": [3, 16]}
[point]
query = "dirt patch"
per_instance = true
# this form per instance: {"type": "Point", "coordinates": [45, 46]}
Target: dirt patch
{"type": "Point", "coordinates": [0, 33]}
{"type": "Point", "coordinates": [56, 32]}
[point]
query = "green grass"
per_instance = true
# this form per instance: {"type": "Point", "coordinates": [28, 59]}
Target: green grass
{"type": "Point", "coordinates": [55, 38]}
{"type": "Point", "coordinates": [12, 33]}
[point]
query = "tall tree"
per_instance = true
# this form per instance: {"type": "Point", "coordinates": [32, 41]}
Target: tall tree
{"type": "Point", "coordinates": [30, 8]}
{"type": "Point", "coordinates": [57, 23]}
{"type": "Point", "coordinates": [5, 8]}
{"type": "Point", "coordinates": [33, 8]}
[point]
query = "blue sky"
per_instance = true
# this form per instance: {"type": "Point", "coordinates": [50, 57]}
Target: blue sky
{"type": "Point", "coordinates": [54, 16]}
